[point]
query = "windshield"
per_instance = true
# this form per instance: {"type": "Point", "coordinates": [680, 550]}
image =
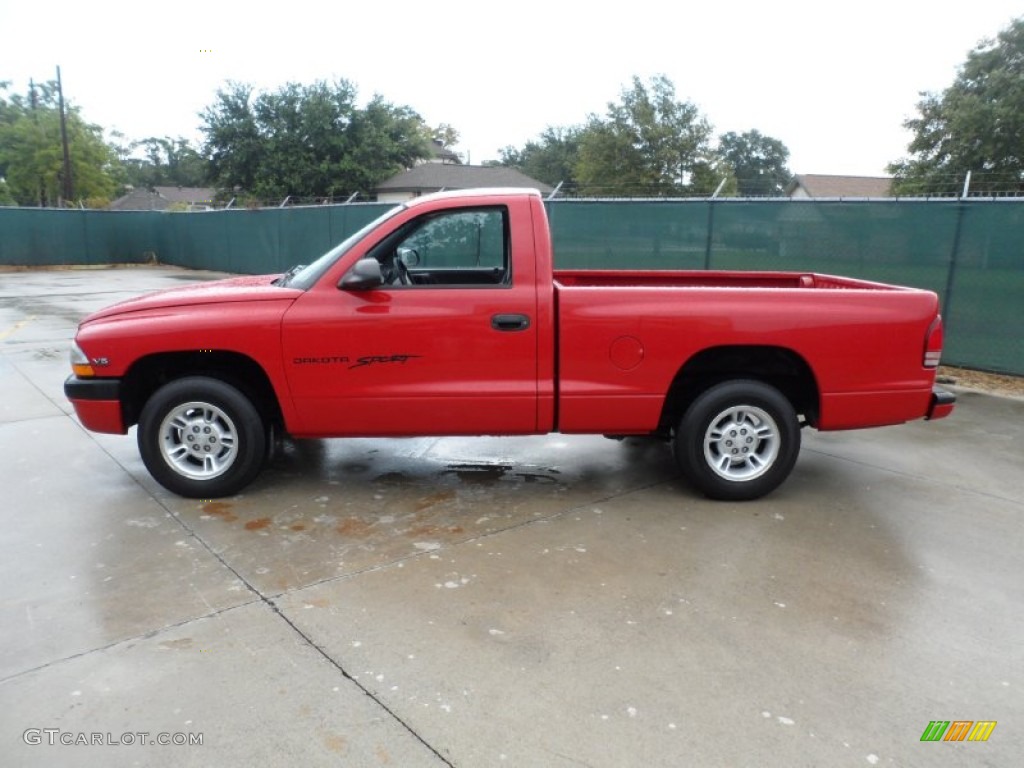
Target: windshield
{"type": "Point", "coordinates": [305, 277]}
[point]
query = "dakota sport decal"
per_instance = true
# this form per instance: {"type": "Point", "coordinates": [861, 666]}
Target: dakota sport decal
{"type": "Point", "coordinates": [360, 362]}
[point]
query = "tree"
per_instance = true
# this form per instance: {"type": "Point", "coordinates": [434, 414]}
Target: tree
{"type": "Point", "coordinates": [166, 162]}
{"type": "Point", "coordinates": [551, 159]}
{"type": "Point", "coordinates": [383, 140]}
{"type": "Point", "coordinates": [31, 158]}
{"type": "Point", "coordinates": [976, 125]}
{"type": "Point", "coordinates": [307, 140]}
{"type": "Point", "coordinates": [445, 134]}
{"type": "Point", "coordinates": [757, 161]}
{"type": "Point", "coordinates": [648, 143]}
{"type": "Point", "coordinates": [713, 175]}
{"type": "Point", "coordinates": [6, 198]}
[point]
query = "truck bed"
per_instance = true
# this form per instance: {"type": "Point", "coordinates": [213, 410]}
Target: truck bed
{"type": "Point", "coordinates": [596, 278]}
{"type": "Point", "coordinates": [623, 335]}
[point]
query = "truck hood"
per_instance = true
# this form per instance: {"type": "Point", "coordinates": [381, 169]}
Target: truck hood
{"type": "Point", "coordinates": [233, 289]}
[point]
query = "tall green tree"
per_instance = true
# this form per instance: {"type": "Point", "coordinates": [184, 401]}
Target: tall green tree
{"type": "Point", "coordinates": [648, 143]}
{"type": "Point", "coordinates": [976, 125]}
{"type": "Point", "coordinates": [712, 175]}
{"type": "Point", "coordinates": [383, 139]}
{"type": "Point", "coordinates": [552, 158]}
{"type": "Point", "coordinates": [31, 157]}
{"type": "Point", "coordinates": [758, 162]}
{"type": "Point", "coordinates": [307, 140]}
{"type": "Point", "coordinates": [164, 162]}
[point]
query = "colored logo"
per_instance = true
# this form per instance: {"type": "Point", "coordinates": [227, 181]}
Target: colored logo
{"type": "Point", "coordinates": [958, 730]}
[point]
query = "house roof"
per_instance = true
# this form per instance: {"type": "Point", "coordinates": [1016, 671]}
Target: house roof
{"type": "Point", "coordinates": [194, 195]}
{"type": "Point", "coordinates": [162, 198]}
{"type": "Point", "coordinates": [820, 185]}
{"type": "Point", "coordinates": [431, 177]}
{"type": "Point", "coordinates": [439, 154]}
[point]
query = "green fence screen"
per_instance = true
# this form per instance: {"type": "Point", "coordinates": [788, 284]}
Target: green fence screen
{"type": "Point", "coordinates": [970, 252]}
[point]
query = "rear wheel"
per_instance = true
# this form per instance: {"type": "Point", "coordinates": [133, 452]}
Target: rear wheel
{"type": "Point", "coordinates": [202, 438]}
{"type": "Point", "coordinates": [738, 440]}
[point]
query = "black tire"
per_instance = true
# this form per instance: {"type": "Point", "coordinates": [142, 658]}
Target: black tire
{"type": "Point", "coordinates": [738, 440]}
{"type": "Point", "coordinates": [202, 438]}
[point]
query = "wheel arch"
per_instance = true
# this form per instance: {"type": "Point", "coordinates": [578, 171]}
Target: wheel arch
{"type": "Point", "coordinates": [779, 367]}
{"type": "Point", "coordinates": [149, 373]}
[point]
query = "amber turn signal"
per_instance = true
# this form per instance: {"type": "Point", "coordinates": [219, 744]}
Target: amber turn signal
{"type": "Point", "coordinates": [80, 362]}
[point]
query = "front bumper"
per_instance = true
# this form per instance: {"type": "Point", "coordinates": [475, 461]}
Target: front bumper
{"type": "Point", "coordinates": [97, 403]}
{"type": "Point", "coordinates": [941, 405]}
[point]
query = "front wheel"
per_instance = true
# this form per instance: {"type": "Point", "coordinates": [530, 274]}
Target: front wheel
{"type": "Point", "coordinates": [738, 440]}
{"type": "Point", "coordinates": [200, 437]}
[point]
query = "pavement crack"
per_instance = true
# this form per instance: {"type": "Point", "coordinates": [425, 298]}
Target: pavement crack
{"type": "Point", "coordinates": [149, 634]}
{"type": "Point", "coordinates": [366, 691]}
{"type": "Point", "coordinates": [269, 602]}
{"type": "Point", "coordinates": [569, 759]}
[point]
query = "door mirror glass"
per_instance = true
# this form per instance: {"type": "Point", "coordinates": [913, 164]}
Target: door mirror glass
{"type": "Point", "coordinates": [364, 275]}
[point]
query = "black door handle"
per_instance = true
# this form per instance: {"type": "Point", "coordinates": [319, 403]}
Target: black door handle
{"type": "Point", "coordinates": [510, 322]}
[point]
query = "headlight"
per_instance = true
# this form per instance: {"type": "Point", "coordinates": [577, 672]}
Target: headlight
{"type": "Point", "coordinates": [80, 362]}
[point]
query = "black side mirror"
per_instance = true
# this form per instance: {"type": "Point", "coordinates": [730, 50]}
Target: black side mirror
{"type": "Point", "coordinates": [364, 275]}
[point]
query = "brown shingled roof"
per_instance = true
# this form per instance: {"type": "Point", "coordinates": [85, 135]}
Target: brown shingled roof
{"type": "Point", "coordinates": [819, 185]}
{"type": "Point", "coordinates": [162, 198]}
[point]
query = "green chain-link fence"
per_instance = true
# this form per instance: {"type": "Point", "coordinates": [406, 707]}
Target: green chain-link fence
{"type": "Point", "coordinates": [970, 252]}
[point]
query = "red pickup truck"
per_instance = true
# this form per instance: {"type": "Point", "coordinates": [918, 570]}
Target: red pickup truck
{"type": "Point", "coordinates": [445, 317]}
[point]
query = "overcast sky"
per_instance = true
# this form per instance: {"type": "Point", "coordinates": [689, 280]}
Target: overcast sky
{"type": "Point", "coordinates": [833, 80]}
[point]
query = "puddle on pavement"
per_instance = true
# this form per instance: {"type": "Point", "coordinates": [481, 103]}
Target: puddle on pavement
{"type": "Point", "coordinates": [393, 477]}
{"type": "Point", "coordinates": [479, 473]}
{"type": "Point", "coordinates": [415, 508]}
{"type": "Point", "coordinates": [488, 474]}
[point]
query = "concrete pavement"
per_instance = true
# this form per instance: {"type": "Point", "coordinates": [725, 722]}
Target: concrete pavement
{"type": "Point", "coordinates": [550, 601]}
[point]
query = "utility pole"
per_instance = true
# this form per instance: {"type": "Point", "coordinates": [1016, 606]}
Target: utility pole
{"type": "Point", "coordinates": [33, 102]}
{"type": "Point", "coordinates": [68, 188]}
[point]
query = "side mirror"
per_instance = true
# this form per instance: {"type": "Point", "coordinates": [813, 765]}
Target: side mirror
{"type": "Point", "coordinates": [364, 275]}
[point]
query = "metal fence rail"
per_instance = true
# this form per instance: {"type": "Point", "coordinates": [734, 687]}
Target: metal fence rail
{"type": "Point", "coordinates": [969, 251]}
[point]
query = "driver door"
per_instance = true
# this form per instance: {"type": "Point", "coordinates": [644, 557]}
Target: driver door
{"type": "Point", "coordinates": [447, 346]}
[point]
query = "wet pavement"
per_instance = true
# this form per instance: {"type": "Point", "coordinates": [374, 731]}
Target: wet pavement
{"type": "Point", "coordinates": [549, 601]}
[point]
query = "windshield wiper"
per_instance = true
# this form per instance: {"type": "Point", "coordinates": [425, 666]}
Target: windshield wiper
{"type": "Point", "coordinates": [284, 279]}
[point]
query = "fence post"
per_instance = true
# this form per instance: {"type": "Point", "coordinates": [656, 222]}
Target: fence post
{"type": "Point", "coordinates": [947, 297]}
{"type": "Point", "coordinates": [711, 229]}
{"type": "Point", "coordinates": [711, 223]}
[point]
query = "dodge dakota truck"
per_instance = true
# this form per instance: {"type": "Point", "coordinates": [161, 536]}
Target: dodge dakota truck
{"type": "Point", "coordinates": [445, 316]}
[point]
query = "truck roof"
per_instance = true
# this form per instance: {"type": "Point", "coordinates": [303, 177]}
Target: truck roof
{"type": "Point", "coordinates": [457, 194]}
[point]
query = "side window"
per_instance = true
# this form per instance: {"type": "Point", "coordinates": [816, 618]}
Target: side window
{"type": "Point", "coordinates": [453, 248]}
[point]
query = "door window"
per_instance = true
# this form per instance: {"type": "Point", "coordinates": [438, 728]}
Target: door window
{"type": "Point", "coordinates": [449, 249]}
